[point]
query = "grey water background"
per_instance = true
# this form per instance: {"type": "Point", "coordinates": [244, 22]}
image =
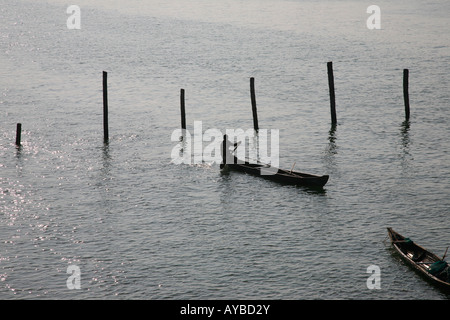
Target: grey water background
{"type": "Point", "coordinates": [141, 227]}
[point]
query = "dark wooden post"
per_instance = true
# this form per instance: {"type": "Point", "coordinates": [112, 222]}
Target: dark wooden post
{"type": "Point", "coordinates": [18, 134]}
{"type": "Point", "coordinates": [253, 98]}
{"type": "Point", "coordinates": [105, 107]}
{"type": "Point", "coordinates": [224, 152]}
{"type": "Point", "coordinates": [406, 91]}
{"type": "Point", "coordinates": [183, 112]}
{"type": "Point", "coordinates": [332, 95]}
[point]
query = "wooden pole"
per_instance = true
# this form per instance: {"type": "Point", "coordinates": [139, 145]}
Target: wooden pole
{"type": "Point", "coordinates": [105, 107]}
{"type": "Point", "coordinates": [18, 134]}
{"type": "Point", "coordinates": [253, 98]}
{"type": "Point", "coordinates": [406, 92]}
{"type": "Point", "coordinates": [183, 112]}
{"type": "Point", "coordinates": [332, 95]}
{"type": "Point", "coordinates": [224, 152]}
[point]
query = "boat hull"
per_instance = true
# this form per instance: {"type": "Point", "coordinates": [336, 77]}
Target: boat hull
{"type": "Point", "coordinates": [279, 175]}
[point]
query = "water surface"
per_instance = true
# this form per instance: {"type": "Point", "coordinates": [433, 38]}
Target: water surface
{"type": "Point", "coordinates": [141, 227]}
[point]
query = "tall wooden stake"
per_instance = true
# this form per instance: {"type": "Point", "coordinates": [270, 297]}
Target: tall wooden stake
{"type": "Point", "coordinates": [183, 112]}
{"type": "Point", "coordinates": [332, 95]}
{"type": "Point", "coordinates": [253, 98]}
{"type": "Point", "coordinates": [224, 150]}
{"type": "Point", "coordinates": [18, 134]}
{"type": "Point", "coordinates": [406, 92]}
{"type": "Point", "coordinates": [105, 107]}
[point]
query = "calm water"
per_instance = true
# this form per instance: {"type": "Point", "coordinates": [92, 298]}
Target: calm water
{"type": "Point", "coordinates": [141, 227]}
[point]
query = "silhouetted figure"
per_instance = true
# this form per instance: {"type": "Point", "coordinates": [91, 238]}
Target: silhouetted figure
{"type": "Point", "coordinates": [227, 154]}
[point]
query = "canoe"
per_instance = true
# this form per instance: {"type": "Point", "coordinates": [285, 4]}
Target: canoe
{"type": "Point", "coordinates": [434, 268]}
{"type": "Point", "coordinates": [279, 175]}
{"type": "Point", "coordinates": [266, 171]}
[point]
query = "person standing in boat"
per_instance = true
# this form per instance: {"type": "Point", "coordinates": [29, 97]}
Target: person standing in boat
{"type": "Point", "coordinates": [227, 154]}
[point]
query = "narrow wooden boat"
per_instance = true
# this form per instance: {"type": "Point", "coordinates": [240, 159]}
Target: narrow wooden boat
{"type": "Point", "coordinates": [434, 268]}
{"type": "Point", "coordinates": [275, 174]}
{"type": "Point", "coordinates": [266, 171]}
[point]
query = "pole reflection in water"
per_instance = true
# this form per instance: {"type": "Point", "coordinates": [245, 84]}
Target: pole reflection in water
{"type": "Point", "coordinates": [331, 150]}
{"type": "Point", "coordinates": [405, 143]}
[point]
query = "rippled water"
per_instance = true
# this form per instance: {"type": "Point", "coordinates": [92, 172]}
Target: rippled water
{"type": "Point", "coordinates": [141, 227]}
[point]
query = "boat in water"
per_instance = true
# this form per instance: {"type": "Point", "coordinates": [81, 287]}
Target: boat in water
{"type": "Point", "coordinates": [434, 268]}
{"type": "Point", "coordinates": [279, 175]}
{"type": "Point", "coordinates": [266, 171]}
